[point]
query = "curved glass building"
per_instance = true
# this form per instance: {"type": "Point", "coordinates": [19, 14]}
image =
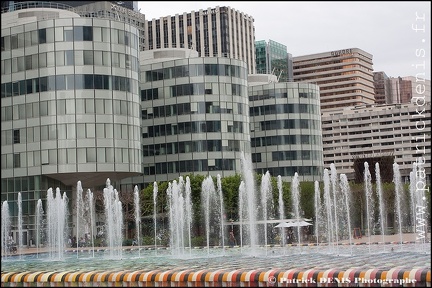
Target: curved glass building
{"type": "Point", "coordinates": [194, 114]}
{"type": "Point", "coordinates": [70, 103]}
{"type": "Point", "coordinates": [286, 129]}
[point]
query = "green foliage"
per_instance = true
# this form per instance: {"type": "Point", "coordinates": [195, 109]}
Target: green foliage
{"type": "Point", "coordinates": [307, 197]}
{"type": "Point", "coordinates": [198, 241]}
{"type": "Point", "coordinates": [230, 186]}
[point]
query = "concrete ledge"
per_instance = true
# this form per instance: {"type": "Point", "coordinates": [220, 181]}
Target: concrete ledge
{"type": "Point", "coordinates": [420, 277]}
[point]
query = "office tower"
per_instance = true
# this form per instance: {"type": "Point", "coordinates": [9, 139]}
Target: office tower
{"type": "Point", "coordinates": [409, 89]}
{"type": "Point", "coordinates": [70, 103]}
{"type": "Point", "coordinates": [378, 130]}
{"type": "Point", "coordinates": [273, 58]}
{"type": "Point", "coordinates": [213, 32]}
{"type": "Point", "coordinates": [286, 130]}
{"type": "Point", "coordinates": [115, 10]}
{"type": "Point", "coordinates": [382, 88]}
{"type": "Point", "coordinates": [344, 77]}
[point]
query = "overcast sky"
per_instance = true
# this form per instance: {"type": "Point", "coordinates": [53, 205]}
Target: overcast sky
{"type": "Point", "coordinates": [383, 29]}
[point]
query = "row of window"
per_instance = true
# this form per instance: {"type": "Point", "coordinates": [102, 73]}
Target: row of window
{"type": "Point", "coordinates": [69, 131]}
{"type": "Point", "coordinates": [69, 82]}
{"type": "Point", "coordinates": [70, 156]}
{"type": "Point", "coordinates": [29, 183]}
{"type": "Point", "coordinates": [284, 109]}
{"type": "Point", "coordinates": [190, 166]}
{"type": "Point", "coordinates": [69, 34]}
{"type": "Point", "coordinates": [285, 140]}
{"type": "Point", "coordinates": [69, 58]}
{"type": "Point", "coordinates": [185, 109]}
{"type": "Point", "coordinates": [280, 93]}
{"type": "Point", "coordinates": [70, 107]}
{"type": "Point", "coordinates": [289, 124]}
{"type": "Point", "coordinates": [193, 70]}
{"type": "Point", "coordinates": [189, 147]}
{"type": "Point", "coordinates": [297, 155]}
{"type": "Point", "coordinates": [191, 127]}
{"type": "Point", "coordinates": [291, 170]}
{"type": "Point", "coordinates": [193, 89]}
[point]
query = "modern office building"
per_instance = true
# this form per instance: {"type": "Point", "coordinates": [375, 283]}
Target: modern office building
{"type": "Point", "coordinates": [125, 11]}
{"type": "Point", "coordinates": [213, 32]}
{"type": "Point", "coordinates": [286, 132]}
{"type": "Point", "coordinates": [408, 89]}
{"type": "Point", "coordinates": [194, 115]}
{"type": "Point", "coordinates": [382, 88]}
{"type": "Point", "coordinates": [132, 5]}
{"type": "Point", "coordinates": [378, 130]}
{"type": "Point", "coordinates": [70, 104]}
{"type": "Point", "coordinates": [272, 58]}
{"type": "Point", "coordinates": [344, 77]}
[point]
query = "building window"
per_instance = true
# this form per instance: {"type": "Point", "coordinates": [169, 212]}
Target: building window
{"type": "Point", "coordinates": [16, 136]}
{"type": "Point", "coordinates": [16, 160]}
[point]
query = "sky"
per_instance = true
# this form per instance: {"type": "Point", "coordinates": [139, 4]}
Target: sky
{"type": "Point", "coordinates": [384, 29]}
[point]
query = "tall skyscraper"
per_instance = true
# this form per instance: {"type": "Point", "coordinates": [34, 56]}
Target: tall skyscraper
{"type": "Point", "coordinates": [382, 88]}
{"type": "Point", "coordinates": [272, 58]}
{"type": "Point", "coordinates": [344, 77]}
{"type": "Point", "coordinates": [213, 32]}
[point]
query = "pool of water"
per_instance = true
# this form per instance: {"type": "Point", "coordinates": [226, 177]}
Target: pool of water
{"type": "Point", "coordinates": [306, 257]}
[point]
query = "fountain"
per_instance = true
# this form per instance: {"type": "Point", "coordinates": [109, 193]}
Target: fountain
{"type": "Point", "coordinates": [281, 206]}
{"type": "Point", "coordinates": [317, 207]}
{"type": "Point", "coordinates": [346, 193]}
{"type": "Point", "coordinates": [137, 218]}
{"type": "Point", "coordinates": [295, 192]}
{"type": "Point", "coordinates": [382, 209]}
{"type": "Point", "coordinates": [5, 229]}
{"type": "Point", "coordinates": [114, 220]}
{"type": "Point", "coordinates": [266, 203]}
{"type": "Point", "coordinates": [20, 224]}
{"type": "Point", "coordinates": [155, 191]}
{"type": "Point", "coordinates": [171, 266]}
{"type": "Point", "coordinates": [211, 199]}
{"type": "Point", "coordinates": [89, 197]}
{"type": "Point", "coordinates": [80, 213]}
{"type": "Point", "coordinates": [180, 215]}
{"type": "Point", "coordinates": [39, 217]}
{"type": "Point", "coordinates": [369, 201]}
{"type": "Point", "coordinates": [248, 202]}
{"type": "Point", "coordinates": [56, 221]}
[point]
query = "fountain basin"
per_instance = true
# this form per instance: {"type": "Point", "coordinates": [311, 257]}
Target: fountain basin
{"type": "Point", "coordinates": [307, 266]}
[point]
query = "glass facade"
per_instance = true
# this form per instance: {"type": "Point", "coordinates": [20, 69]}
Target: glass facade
{"type": "Point", "coordinates": [273, 58]}
{"type": "Point", "coordinates": [286, 130]}
{"type": "Point", "coordinates": [194, 118]}
{"type": "Point", "coordinates": [70, 106]}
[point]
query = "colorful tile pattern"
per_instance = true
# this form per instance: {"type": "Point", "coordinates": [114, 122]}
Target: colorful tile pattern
{"type": "Point", "coordinates": [395, 277]}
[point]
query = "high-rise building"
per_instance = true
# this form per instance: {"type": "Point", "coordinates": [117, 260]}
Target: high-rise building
{"type": "Point", "coordinates": [194, 115]}
{"type": "Point", "coordinates": [70, 104]}
{"type": "Point", "coordinates": [286, 130]}
{"type": "Point", "coordinates": [273, 58]}
{"type": "Point", "coordinates": [213, 32]}
{"type": "Point", "coordinates": [396, 130]}
{"type": "Point", "coordinates": [344, 77]}
{"type": "Point", "coordinates": [116, 10]}
{"type": "Point", "coordinates": [382, 88]}
{"type": "Point", "coordinates": [132, 5]}
{"type": "Point", "coordinates": [408, 89]}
